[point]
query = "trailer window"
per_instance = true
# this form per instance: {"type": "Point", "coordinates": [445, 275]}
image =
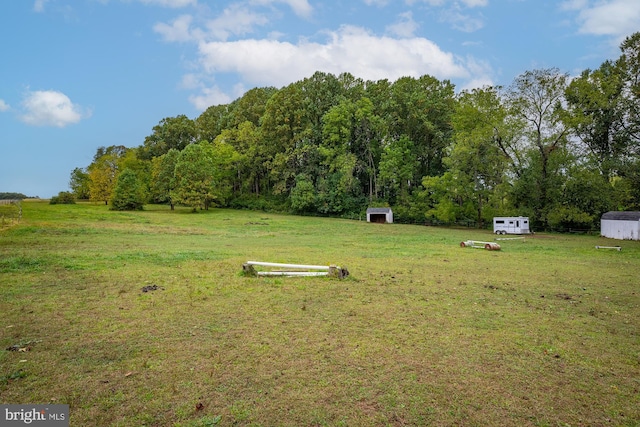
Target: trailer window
{"type": "Point", "coordinates": [499, 222]}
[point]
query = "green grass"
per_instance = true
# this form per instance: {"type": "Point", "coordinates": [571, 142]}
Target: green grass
{"type": "Point", "coordinates": [545, 332]}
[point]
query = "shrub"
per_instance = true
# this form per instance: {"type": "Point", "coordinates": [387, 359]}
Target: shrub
{"type": "Point", "coordinates": [566, 218]}
{"type": "Point", "coordinates": [63, 198]}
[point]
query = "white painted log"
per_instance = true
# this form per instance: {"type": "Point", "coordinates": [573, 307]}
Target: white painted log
{"type": "Point", "coordinates": [293, 273]}
{"type": "Point", "coordinates": [618, 248]}
{"type": "Point", "coordinates": [300, 266]}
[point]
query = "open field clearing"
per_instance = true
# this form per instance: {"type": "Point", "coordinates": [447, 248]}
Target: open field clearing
{"type": "Point", "coordinates": [144, 319]}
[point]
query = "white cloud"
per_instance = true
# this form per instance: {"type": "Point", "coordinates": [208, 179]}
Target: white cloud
{"type": "Point", "coordinates": [300, 7]}
{"type": "Point", "coordinates": [235, 20]}
{"type": "Point", "coordinates": [454, 13]}
{"type": "Point", "coordinates": [610, 17]}
{"type": "Point", "coordinates": [405, 27]}
{"type": "Point", "coordinates": [215, 96]}
{"type": "Point", "coordinates": [429, 2]}
{"type": "Point", "coordinates": [38, 6]}
{"type": "Point", "coordinates": [350, 49]}
{"type": "Point", "coordinates": [208, 97]}
{"type": "Point", "coordinates": [177, 31]}
{"type": "Point", "coordinates": [462, 22]}
{"type": "Point", "coordinates": [574, 4]}
{"type": "Point", "coordinates": [190, 81]}
{"type": "Point", "coordinates": [467, 3]}
{"type": "Point", "coordinates": [475, 3]}
{"type": "Point", "coordinates": [4, 106]}
{"type": "Point", "coordinates": [209, 93]}
{"type": "Point", "coordinates": [175, 4]}
{"type": "Point", "coordinates": [480, 72]}
{"type": "Point", "coordinates": [51, 108]}
{"type": "Point", "coordinates": [376, 2]}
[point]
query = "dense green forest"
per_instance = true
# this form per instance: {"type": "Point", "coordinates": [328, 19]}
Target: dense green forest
{"type": "Point", "coordinates": [558, 149]}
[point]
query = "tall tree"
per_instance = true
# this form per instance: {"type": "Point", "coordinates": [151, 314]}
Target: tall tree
{"type": "Point", "coordinates": [79, 183]}
{"type": "Point", "coordinates": [367, 138]}
{"type": "Point", "coordinates": [604, 113]}
{"type": "Point", "coordinates": [537, 98]}
{"type": "Point", "coordinates": [103, 172]}
{"type": "Point", "coordinates": [596, 116]}
{"type": "Point", "coordinates": [251, 174]}
{"type": "Point", "coordinates": [163, 178]}
{"type": "Point", "coordinates": [212, 122]}
{"type": "Point", "coordinates": [172, 132]}
{"type": "Point", "coordinates": [320, 92]}
{"type": "Point", "coordinates": [420, 109]}
{"type": "Point", "coordinates": [129, 193]}
{"type": "Point", "coordinates": [226, 163]}
{"type": "Point", "coordinates": [336, 183]}
{"type": "Point", "coordinates": [194, 177]}
{"type": "Point", "coordinates": [284, 131]}
{"type": "Point", "coordinates": [249, 107]}
{"type": "Point", "coordinates": [142, 168]}
{"type": "Point", "coordinates": [398, 164]}
{"type": "Point", "coordinates": [477, 164]}
{"type": "Point", "coordinates": [629, 65]}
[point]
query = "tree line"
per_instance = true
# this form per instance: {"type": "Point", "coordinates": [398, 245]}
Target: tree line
{"type": "Point", "coordinates": [560, 150]}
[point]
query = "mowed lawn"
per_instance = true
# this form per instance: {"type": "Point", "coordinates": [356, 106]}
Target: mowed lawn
{"type": "Point", "coordinates": [545, 332]}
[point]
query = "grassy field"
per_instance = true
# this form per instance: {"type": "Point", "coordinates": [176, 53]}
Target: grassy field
{"type": "Point", "coordinates": [545, 332]}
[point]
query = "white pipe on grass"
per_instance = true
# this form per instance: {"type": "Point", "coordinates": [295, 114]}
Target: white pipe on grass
{"type": "Point", "coordinates": [300, 266]}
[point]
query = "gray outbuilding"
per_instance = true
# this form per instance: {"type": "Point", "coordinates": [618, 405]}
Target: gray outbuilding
{"type": "Point", "coordinates": [380, 215]}
{"type": "Point", "coordinates": [621, 225]}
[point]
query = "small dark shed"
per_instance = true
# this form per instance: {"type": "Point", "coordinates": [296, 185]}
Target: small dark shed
{"type": "Point", "coordinates": [621, 225]}
{"type": "Point", "coordinates": [380, 215]}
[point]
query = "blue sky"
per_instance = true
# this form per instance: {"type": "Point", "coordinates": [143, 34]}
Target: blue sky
{"type": "Point", "coordinates": [79, 74]}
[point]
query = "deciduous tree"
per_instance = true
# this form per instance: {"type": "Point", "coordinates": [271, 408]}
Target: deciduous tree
{"type": "Point", "coordinates": [79, 183]}
{"type": "Point", "coordinates": [103, 172]}
{"type": "Point", "coordinates": [163, 178]}
{"type": "Point", "coordinates": [194, 175]}
{"type": "Point", "coordinates": [129, 193]}
{"type": "Point", "coordinates": [172, 132]}
{"type": "Point", "coordinates": [537, 99]}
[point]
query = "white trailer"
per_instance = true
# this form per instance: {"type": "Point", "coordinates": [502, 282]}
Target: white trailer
{"type": "Point", "coordinates": [511, 225]}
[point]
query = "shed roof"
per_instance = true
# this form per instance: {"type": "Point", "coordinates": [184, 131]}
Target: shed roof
{"type": "Point", "coordinates": [378, 210]}
{"type": "Point", "coordinates": [622, 216]}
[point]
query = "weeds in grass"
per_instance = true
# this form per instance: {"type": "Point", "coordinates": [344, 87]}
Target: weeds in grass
{"type": "Point", "coordinates": [5, 379]}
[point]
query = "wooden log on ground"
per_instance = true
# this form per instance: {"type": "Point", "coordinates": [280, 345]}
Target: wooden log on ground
{"type": "Point", "coordinates": [248, 270]}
